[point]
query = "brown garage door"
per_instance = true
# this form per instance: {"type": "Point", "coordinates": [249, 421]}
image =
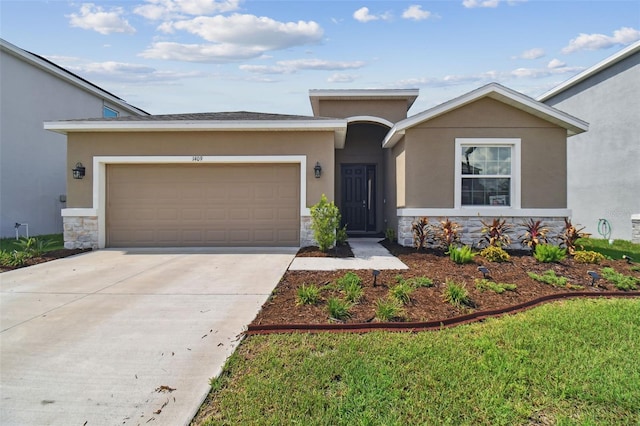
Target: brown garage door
{"type": "Point", "coordinates": [190, 205]}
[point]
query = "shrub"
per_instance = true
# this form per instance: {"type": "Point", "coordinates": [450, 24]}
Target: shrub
{"type": "Point", "coordinates": [418, 282]}
{"type": "Point", "coordinates": [338, 309]}
{"type": "Point", "coordinates": [461, 255]}
{"type": "Point", "coordinates": [485, 284]}
{"type": "Point", "coordinates": [570, 235]}
{"type": "Point", "coordinates": [495, 254]}
{"type": "Point", "coordinates": [402, 292]}
{"type": "Point", "coordinates": [308, 294]}
{"type": "Point", "coordinates": [535, 233]}
{"type": "Point", "coordinates": [353, 292]}
{"type": "Point", "coordinates": [35, 247]}
{"type": "Point", "coordinates": [495, 234]}
{"type": "Point", "coordinates": [620, 281]}
{"type": "Point", "coordinates": [341, 236]}
{"type": "Point", "coordinates": [549, 277]}
{"type": "Point", "coordinates": [388, 309]}
{"type": "Point", "coordinates": [390, 234]}
{"type": "Point", "coordinates": [448, 234]}
{"type": "Point", "coordinates": [14, 258]}
{"type": "Point", "coordinates": [547, 253]}
{"type": "Point", "coordinates": [456, 294]}
{"type": "Point", "coordinates": [348, 279]}
{"type": "Point", "coordinates": [422, 233]}
{"type": "Point", "coordinates": [586, 256]}
{"type": "Point", "coordinates": [325, 219]}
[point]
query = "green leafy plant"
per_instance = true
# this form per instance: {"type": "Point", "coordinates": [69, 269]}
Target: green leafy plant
{"type": "Point", "coordinates": [353, 292]}
{"type": "Point", "coordinates": [547, 253]}
{"type": "Point", "coordinates": [402, 292]}
{"type": "Point", "coordinates": [390, 234]}
{"type": "Point", "coordinates": [418, 282]}
{"type": "Point", "coordinates": [341, 236]}
{"type": "Point", "coordinates": [34, 246]}
{"type": "Point", "coordinates": [325, 219]}
{"type": "Point", "coordinates": [461, 255]}
{"type": "Point", "coordinates": [448, 234]}
{"type": "Point", "coordinates": [388, 309]}
{"type": "Point", "coordinates": [338, 309]}
{"type": "Point", "coordinates": [308, 295]}
{"type": "Point", "coordinates": [348, 279]}
{"type": "Point", "coordinates": [485, 284]}
{"type": "Point", "coordinates": [14, 258]}
{"type": "Point", "coordinates": [635, 268]}
{"type": "Point", "coordinates": [422, 233]}
{"type": "Point", "coordinates": [587, 256]}
{"type": "Point", "coordinates": [549, 277]}
{"type": "Point", "coordinates": [620, 281]}
{"type": "Point", "coordinates": [570, 235]}
{"type": "Point", "coordinates": [456, 294]}
{"type": "Point", "coordinates": [535, 233]}
{"type": "Point", "coordinates": [495, 234]}
{"type": "Point", "coordinates": [495, 254]}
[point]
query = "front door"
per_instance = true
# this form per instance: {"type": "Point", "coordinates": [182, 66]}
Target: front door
{"type": "Point", "coordinates": [359, 197]}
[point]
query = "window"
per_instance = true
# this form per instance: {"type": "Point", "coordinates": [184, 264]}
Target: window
{"type": "Point", "coordinates": [109, 112]}
{"type": "Point", "coordinates": [487, 172]}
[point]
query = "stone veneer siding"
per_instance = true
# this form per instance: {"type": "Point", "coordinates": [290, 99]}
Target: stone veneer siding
{"type": "Point", "coordinates": [635, 228]}
{"type": "Point", "coordinates": [80, 232]}
{"type": "Point", "coordinates": [306, 233]}
{"type": "Point", "coordinates": [471, 228]}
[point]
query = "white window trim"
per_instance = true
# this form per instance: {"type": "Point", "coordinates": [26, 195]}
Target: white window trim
{"type": "Point", "coordinates": [515, 195]}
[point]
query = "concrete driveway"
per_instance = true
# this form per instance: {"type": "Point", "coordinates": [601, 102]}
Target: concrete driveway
{"type": "Point", "coordinates": [102, 338]}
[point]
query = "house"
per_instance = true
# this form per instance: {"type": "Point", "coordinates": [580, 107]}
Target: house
{"type": "Point", "coordinates": [604, 164]}
{"type": "Point", "coordinates": [242, 178]}
{"type": "Point", "coordinates": [32, 160]}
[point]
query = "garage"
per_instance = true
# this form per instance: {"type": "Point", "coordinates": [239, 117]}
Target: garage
{"type": "Point", "coordinates": [192, 205]}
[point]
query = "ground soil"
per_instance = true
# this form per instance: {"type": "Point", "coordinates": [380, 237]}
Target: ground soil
{"type": "Point", "coordinates": [427, 303]}
{"type": "Point", "coordinates": [46, 257]}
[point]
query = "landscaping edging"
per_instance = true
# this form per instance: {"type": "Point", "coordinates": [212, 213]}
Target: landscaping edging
{"type": "Point", "coordinates": [429, 325]}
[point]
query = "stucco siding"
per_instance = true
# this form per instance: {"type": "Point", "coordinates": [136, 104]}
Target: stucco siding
{"type": "Point", "coordinates": [603, 171]}
{"type": "Point", "coordinates": [392, 110]}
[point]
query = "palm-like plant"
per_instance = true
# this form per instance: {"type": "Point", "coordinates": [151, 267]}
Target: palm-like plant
{"type": "Point", "coordinates": [449, 233]}
{"type": "Point", "coordinates": [570, 235]}
{"type": "Point", "coordinates": [535, 233]}
{"type": "Point", "coordinates": [495, 234]}
{"type": "Point", "coordinates": [422, 233]}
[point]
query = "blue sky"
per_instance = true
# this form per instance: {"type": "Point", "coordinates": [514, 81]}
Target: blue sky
{"type": "Point", "coordinates": [178, 56]}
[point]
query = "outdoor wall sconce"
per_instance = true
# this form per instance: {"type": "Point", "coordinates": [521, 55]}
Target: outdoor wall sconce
{"type": "Point", "coordinates": [317, 170]}
{"type": "Point", "coordinates": [78, 171]}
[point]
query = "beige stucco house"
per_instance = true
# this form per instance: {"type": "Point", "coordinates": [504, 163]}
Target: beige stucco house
{"type": "Point", "coordinates": [249, 179]}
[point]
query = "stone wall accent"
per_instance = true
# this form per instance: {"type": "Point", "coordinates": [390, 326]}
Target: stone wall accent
{"type": "Point", "coordinates": [80, 232]}
{"type": "Point", "coordinates": [306, 233]}
{"type": "Point", "coordinates": [635, 228]}
{"type": "Point", "coordinates": [472, 227]}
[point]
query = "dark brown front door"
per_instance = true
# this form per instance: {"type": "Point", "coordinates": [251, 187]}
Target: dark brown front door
{"type": "Point", "coordinates": [359, 197]}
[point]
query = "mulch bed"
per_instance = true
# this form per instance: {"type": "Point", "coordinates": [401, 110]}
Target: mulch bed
{"type": "Point", "coordinates": [427, 304]}
{"type": "Point", "coordinates": [46, 257]}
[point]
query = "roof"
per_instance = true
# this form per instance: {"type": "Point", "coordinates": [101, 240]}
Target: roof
{"type": "Point", "coordinates": [52, 68]}
{"type": "Point", "coordinates": [215, 121]}
{"type": "Point", "coordinates": [599, 67]}
{"type": "Point", "coordinates": [499, 93]}
{"type": "Point", "coordinates": [408, 95]}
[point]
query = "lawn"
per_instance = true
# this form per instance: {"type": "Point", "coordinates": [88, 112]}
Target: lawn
{"type": "Point", "coordinates": [571, 362]}
{"type": "Point", "coordinates": [614, 251]}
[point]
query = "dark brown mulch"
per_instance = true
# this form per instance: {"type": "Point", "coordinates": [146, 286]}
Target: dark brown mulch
{"type": "Point", "coordinates": [427, 303]}
{"type": "Point", "coordinates": [46, 257]}
{"type": "Point", "coordinates": [338, 251]}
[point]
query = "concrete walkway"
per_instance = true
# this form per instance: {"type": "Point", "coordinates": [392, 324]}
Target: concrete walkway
{"type": "Point", "coordinates": [125, 337]}
{"type": "Point", "coordinates": [369, 254]}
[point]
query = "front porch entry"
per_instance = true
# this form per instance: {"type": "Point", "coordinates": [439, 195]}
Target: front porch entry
{"type": "Point", "coordinates": [358, 188]}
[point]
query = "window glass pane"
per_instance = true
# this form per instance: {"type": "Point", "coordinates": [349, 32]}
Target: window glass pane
{"type": "Point", "coordinates": [108, 112]}
{"type": "Point", "coordinates": [486, 192]}
{"type": "Point", "coordinates": [486, 160]}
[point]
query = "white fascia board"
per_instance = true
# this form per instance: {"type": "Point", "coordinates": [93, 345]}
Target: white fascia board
{"type": "Point", "coordinates": [369, 119]}
{"type": "Point", "coordinates": [600, 66]}
{"type": "Point", "coordinates": [392, 137]}
{"type": "Point", "coordinates": [484, 212]}
{"type": "Point", "coordinates": [69, 77]}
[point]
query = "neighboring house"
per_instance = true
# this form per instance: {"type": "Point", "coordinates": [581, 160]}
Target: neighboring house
{"type": "Point", "coordinates": [32, 160]}
{"type": "Point", "coordinates": [604, 164]}
{"type": "Point", "coordinates": [243, 178]}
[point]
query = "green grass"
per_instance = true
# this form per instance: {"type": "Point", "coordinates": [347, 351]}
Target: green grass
{"type": "Point", "coordinates": [614, 251]}
{"type": "Point", "coordinates": [549, 277]}
{"type": "Point", "coordinates": [571, 362]}
{"type": "Point", "coordinates": [11, 243]}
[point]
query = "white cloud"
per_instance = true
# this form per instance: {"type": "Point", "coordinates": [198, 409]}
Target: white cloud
{"type": "Point", "coordinates": [556, 63]}
{"type": "Point", "coordinates": [292, 66]}
{"type": "Point", "coordinates": [470, 4]}
{"type": "Point", "coordinates": [363, 15]}
{"type": "Point", "coordinates": [545, 72]}
{"type": "Point", "coordinates": [534, 53]}
{"type": "Point", "coordinates": [92, 17]}
{"type": "Point", "coordinates": [168, 9]}
{"type": "Point", "coordinates": [206, 53]}
{"type": "Point", "coordinates": [416, 13]}
{"type": "Point", "coordinates": [624, 36]}
{"type": "Point", "coordinates": [342, 78]}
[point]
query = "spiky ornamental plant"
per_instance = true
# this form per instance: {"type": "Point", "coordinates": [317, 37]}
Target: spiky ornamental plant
{"type": "Point", "coordinates": [495, 234]}
{"type": "Point", "coordinates": [422, 233]}
{"type": "Point", "coordinates": [570, 235]}
{"type": "Point", "coordinates": [449, 234]}
{"type": "Point", "coordinates": [535, 233]}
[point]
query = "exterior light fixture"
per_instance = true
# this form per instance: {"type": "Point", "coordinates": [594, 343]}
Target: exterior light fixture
{"type": "Point", "coordinates": [594, 277]}
{"type": "Point", "coordinates": [629, 259]}
{"type": "Point", "coordinates": [317, 170]}
{"type": "Point", "coordinates": [484, 270]}
{"type": "Point", "coordinates": [78, 171]}
{"type": "Point", "coordinates": [375, 276]}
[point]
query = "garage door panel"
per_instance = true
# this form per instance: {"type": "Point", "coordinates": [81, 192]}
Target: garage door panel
{"type": "Point", "coordinates": [203, 205]}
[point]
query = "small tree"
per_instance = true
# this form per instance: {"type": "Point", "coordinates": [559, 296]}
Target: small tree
{"type": "Point", "coordinates": [325, 219]}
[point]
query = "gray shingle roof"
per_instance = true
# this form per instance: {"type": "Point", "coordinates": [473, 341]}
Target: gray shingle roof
{"type": "Point", "coordinates": [213, 116]}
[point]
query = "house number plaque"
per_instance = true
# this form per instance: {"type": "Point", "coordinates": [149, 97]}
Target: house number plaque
{"type": "Point", "coordinates": [196, 158]}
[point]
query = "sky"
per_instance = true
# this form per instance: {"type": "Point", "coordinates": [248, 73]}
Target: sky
{"type": "Point", "coordinates": [185, 56]}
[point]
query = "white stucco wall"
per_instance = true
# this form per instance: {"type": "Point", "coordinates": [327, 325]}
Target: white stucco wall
{"type": "Point", "coordinates": [33, 161]}
{"type": "Point", "coordinates": [604, 163]}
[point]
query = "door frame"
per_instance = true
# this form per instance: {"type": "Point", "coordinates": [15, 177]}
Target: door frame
{"type": "Point", "coordinates": [371, 216]}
